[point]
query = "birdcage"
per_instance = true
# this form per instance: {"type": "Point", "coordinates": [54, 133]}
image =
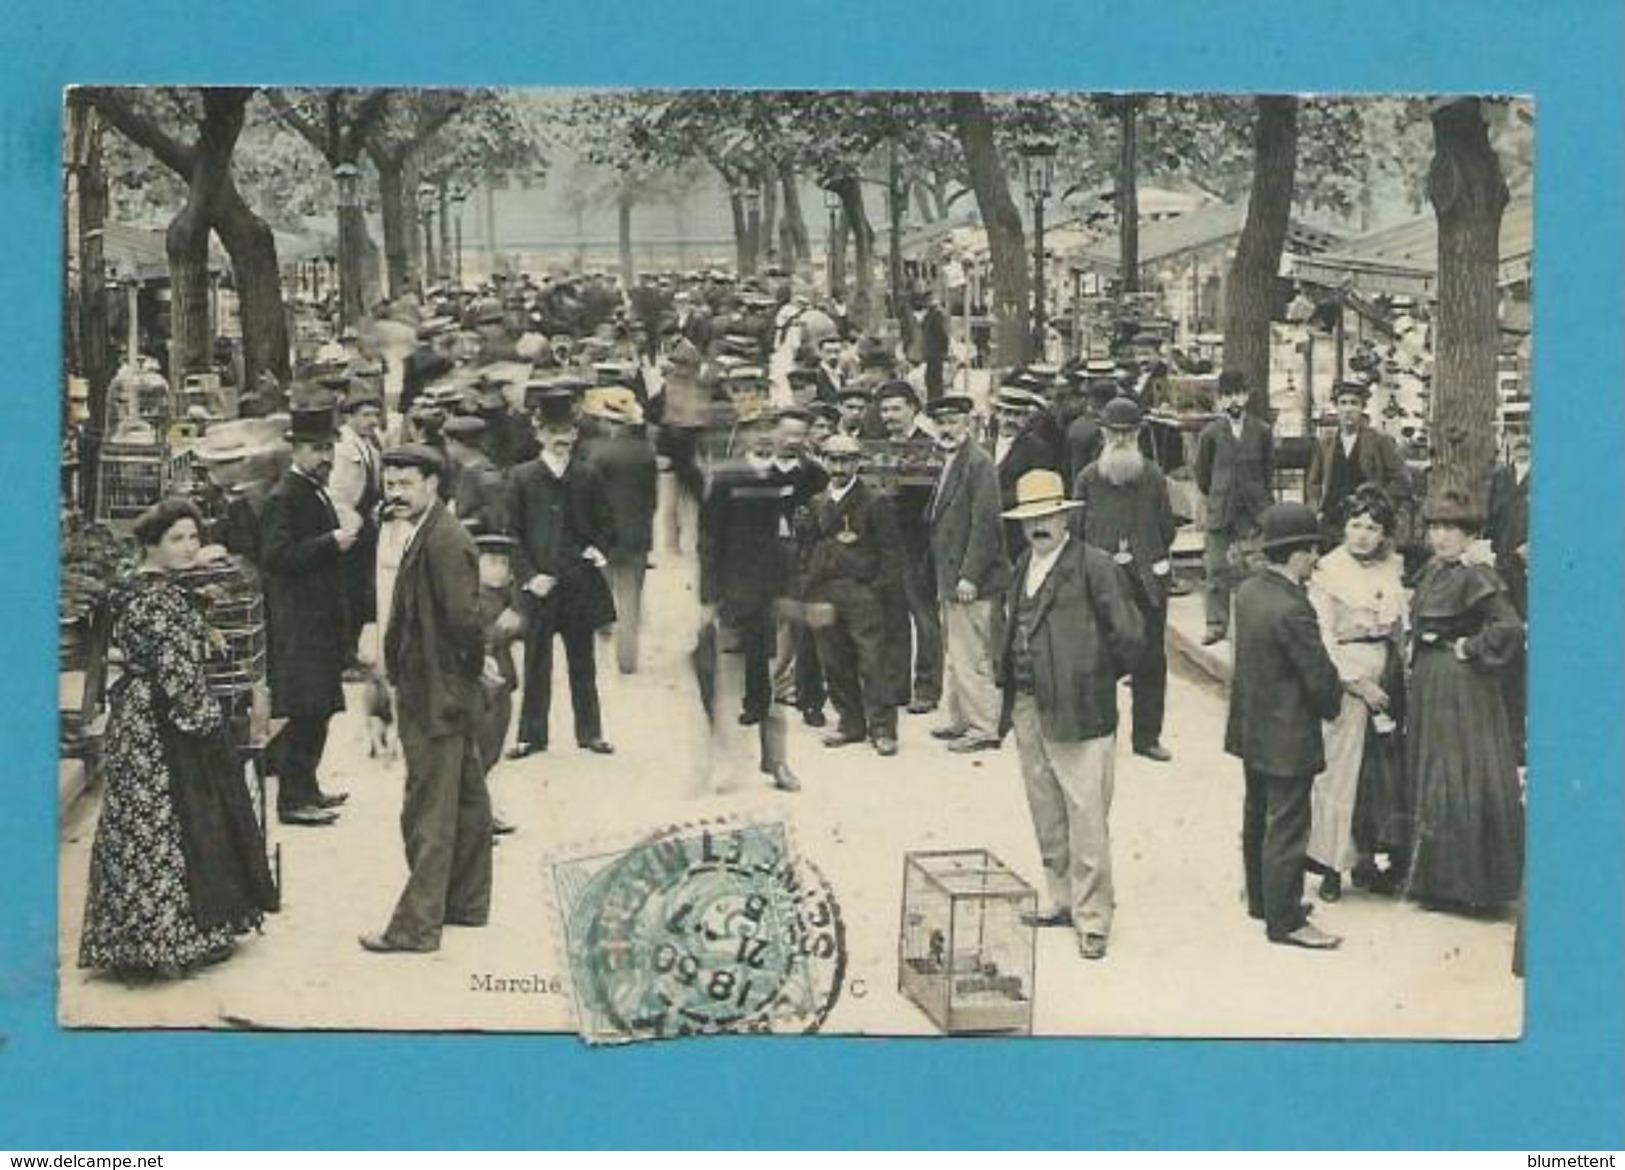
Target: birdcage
{"type": "Point", "coordinates": [966, 942]}
{"type": "Point", "coordinates": [235, 668]}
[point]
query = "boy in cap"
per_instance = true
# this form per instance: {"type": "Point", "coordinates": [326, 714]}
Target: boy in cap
{"type": "Point", "coordinates": [1283, 686]}
{"type": "Point", "coordinates": [1071, 630]}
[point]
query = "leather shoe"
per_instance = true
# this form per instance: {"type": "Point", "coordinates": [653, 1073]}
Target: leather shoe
{"type": "Point", "coordinates": [331, 799]}
{"type": "Point", "coordinates": [1061, 917]}
{"type": "Point", "coordinates": [1213, 636]}
{"type": "Point", "coordinates": [522, 749]}
{"type": "Point", "coordinates": [748, 718]}
{"type": "Point", "coordinates": [949, 732]}
{"type": "Point", "coordinates": [1310, 937]}
{"type": "Point", "coordinates": [382, 944]}
{"type": "Point", "coordinates": [838, 738]}
{"type": "Point", "coordinates": [1092, 946]}
{"type": "Point", "coordinates": [307, 815]}
{"type": "Point", "coordinates": [1155, 751]}
{"type": "Point", "coordinates": [1331, 887]}
{"type": "Point", "coordinates": [601, 747]}
{"type": "Point", "coordinates": [813, 717]}
{"type": "Point", "coordinates": [966, 744]}
{"type": "Point", "coordinates": [784, 779]}
{"type": "Point", "coordinates": [921, 707]}
{"type": "Point", "coordinates": [885, 745]}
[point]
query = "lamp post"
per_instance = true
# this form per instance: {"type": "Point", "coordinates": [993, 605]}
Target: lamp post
{"type": "Point", "coordinates": [834, 261]}
{"type": "Point", "coordinates": [459, 196]}
{"type": "Point", "coordinates": [347, 176]}
{"type": "Point", "coordinates": [426, 201]}
{"type": "Point", "coordinates": [1038, 174]}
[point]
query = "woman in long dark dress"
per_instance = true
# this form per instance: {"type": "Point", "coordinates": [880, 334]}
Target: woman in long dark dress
{"type": "Point", "coordinates": [1460, 754]}
{"type": "Point", "coordinates": [178, 867]}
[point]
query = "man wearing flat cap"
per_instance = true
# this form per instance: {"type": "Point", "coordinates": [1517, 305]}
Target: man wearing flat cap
{"type": "Point", "coordinates": [356, 483]}
{"type": "Point", "coordinates": [560, 513]}
{"type": "Point", "coordinates": [302, 542]}
{"type": "Point", "coordinates": [1283, 686]}
{"type": "Point", "coordinates": [434, 650]}
{"type": "Point", "coordinates": [1356, 454]}
{"type": "Point", "coordinates": [1071, 630]}
{"type": "Point", "coordinates": [1127, 513]}
{"type": "Point", "coordinates": [1235, 472]}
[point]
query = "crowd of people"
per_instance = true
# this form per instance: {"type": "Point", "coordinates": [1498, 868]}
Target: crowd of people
{"type": "Point", "coordinates": [870, 542]}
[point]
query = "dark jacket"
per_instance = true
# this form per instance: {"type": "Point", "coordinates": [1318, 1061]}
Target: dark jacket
{"type": "Point", "coordinates": [480, 495]}
{"type": "Point", "coordinates": [306, 619]}
{"type": "Point", "coordinates": [1377, 458]}
{"type": "Point", "coordinates": [745, 558]}
{"type": "Point", "coordinates": [434, 648]}
{"type": "Point", "coordinates": [626, 464]}
{"type": "Point", "coordinates": [1086, 635]}
{"type": "Point", "coordinates": [555, 520]}
{"type": "Point", "coordinates": [1038, 445]}
{"type": "Point", "coordinates": [509, 439]}
{"type": "Point", "coordinates": [967, 537]}
{"type": "Point", "coordinates": [1139, 513]}
{"type": "Point", "coordinates": [849, 543]}
{"type": "Point", "coordinates": [1084, 443]}
{"type": "Point", "coordinates": [1284, 683]}
{"type": "Point", "coordinates": [934, 334]}
{"type": "Point", "coordinates": [1236, 477]}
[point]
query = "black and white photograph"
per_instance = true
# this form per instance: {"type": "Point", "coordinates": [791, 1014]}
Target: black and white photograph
{"type": "Point", "coordinates": [654, 563]}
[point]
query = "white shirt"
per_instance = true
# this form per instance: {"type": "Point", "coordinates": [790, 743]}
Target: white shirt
{"type": "Point", "coordinates": [1038, 569]}
{"type": "Point", "coordinates": [1001, 447]}
{"type": "Point", "coordinates": [1348, 440]}
{"type": "Point", "coordinates": [839, 493]}
{"type": "Point", "coordinates": [1237, 425]}
{"type": "Point", "coordinates": [557, 466]}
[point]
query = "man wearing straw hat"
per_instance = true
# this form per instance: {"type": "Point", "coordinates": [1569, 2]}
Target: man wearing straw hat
{"type": "Point", "coordinates": [1071, 630]}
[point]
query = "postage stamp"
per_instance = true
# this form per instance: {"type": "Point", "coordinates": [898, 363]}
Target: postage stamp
{"type": "Point", "coordinates": [712, 928]}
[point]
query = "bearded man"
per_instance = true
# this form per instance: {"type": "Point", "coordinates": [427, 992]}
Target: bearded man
{"type": "Point", "coordinates": [1127, 513]}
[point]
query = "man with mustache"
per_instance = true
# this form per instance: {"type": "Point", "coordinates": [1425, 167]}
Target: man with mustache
{"type": "Point", "coordinates": [1235, 471]}
{"type": "Point", "coordinates": [1128, 514]}
{"type": "Point", "coordinates": [1071, 630]}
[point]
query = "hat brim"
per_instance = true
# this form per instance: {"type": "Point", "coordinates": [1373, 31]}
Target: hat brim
{"type": "Point", "coordinates": [1039, 508]}
{"type": "Point", "coordinates": [1315, 540]}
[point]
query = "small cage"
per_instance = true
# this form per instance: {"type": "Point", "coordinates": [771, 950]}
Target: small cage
{"type": "Point", "coordinates": [235, 667]}
{"type": "Point", "coordinates": [966, 944]}
{"type": "Point", "coordinates": [133, 477]}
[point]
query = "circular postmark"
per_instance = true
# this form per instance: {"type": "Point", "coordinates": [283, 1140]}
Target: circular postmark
{"type": "Point", "coordinates": [714, 929]}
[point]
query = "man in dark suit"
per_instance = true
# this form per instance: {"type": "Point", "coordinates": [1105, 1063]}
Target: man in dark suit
{"type": "Point", "coordinates": [625, 460]}
{"type": "Point", "coordinates": [1071, 630]}
{"type": "Point", "coordinates": [967, 554]}
{"type": "Point", "coordinates": [1235, 472]}
{"type": "Point", "coordinates": [1127, 513]}
{"type": "Point", "coordinates": [1284, 685]}
{"type": "Point", "coordinates": [1357, 454]}
{"type": "Point", "coordinates": [434, 650]}
{"type": "Point", "coordinates": [851, 571]}
{"type": "Point", "coordinates": [479, 494]}
{"type": "Point", "coordinates": [917, 659]}
{"type": "Point", "coordinates": [744, 575]}
{"type": "Point", "coordinates": [509, 438]}
{"type": "Point", "coordinates": [934, 345]}
{"type": "Point", "coordinates": [560, 513]}
{"type": "Point", "coordinates": [1027, 439]}
{"type": "Point", "coordinates": [301, 543]}
{"type": "Point", "coordinates": [798, 677]}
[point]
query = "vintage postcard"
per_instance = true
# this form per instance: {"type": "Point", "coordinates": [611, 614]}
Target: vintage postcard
{"type": "Point", "coordinates": [665, 563]}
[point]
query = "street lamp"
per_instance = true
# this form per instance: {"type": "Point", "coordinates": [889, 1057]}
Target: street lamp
{"type": "Point", "coordinates": [832, 204]}
{"type": "Point", "coordinates": [459, 195]}
{"type": "Point", "coordinates": [347, 177]}
{"type": "Point", "coordinates": [426, 202]}
{"type": "Point", "coordinates": [1038, 175]}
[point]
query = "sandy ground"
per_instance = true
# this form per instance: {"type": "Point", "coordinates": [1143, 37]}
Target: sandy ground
{"type": "Point", "coordinates": [1184, 961]}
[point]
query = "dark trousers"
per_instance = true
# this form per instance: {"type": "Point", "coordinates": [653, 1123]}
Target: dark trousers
{"type": "Point", "coordinates": [583, 670]}
{"type": "Point", "coordinates": [757, 631]}
{"type": "Point", "coordinates": [293, 755]}
{"type": "Point", "coordinates": [1274, 836]}
{"type": "Point", "coordinates": [933, 378]}
{"type": "Point", "coordinates": [625, 575]}
{"type": "Point", "coordinates": [920, 587]}
{"type": "Point", "coordinates": [853, 652]}
{"type": "Point", "coordinates": [1149, 682]}
{"type": "Point", "coordinates": [811, 693]}
{"type": "Point", "coordinates": [446, 827]}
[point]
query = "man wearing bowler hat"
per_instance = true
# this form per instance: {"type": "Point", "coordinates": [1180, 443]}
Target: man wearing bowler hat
{"type": "Point", "coordinates": [302, 541]}
{"type": "Point", "coordinates": [1127, 513]}
{"type": "Point", "coordinates": [1071, 630]}
{"type": "Point", "coordinates": [1235, 468]}
{"type": "Point", "coordinates": [434, 650]}
{"type": "Point", "coordinates": [1283, 686]}
{"type": "Point", "coordinates": [560, 513]}
{"type": "Point", "coordinates": [1357, 454]}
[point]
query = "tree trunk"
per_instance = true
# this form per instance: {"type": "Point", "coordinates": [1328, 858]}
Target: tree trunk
{"type": "Point", "coordinates": [1128, 196]}
{"type": "Point", "coordinates": [249, 241]}
{"type": "Point", "coordinates": [1250, 291]}
{"type": "Point", "coordinates": [623, 231]}
{"type": "Point", "coordinates": [736, 208]}
{"type": "Point", "coordinates": [798, 249]}
{"type": "Point", "coordinates": [397, 227]}
{"type": "Point", "coordinates": [443, 210]}
{"type": "Point", "coordinates": [1468, 193]}
{"type": "Point", "coordinates": [91, 358]}
{"type": "Point", "coordinates": [187, 245]}
{"type": "Point", "coordinates": [1006, 243]}
{"type": "Point", "coordinates": [837, 245]}
{"type": "Point", "coordinates": [766, 235]}
{"type": "Point", "coordinates": [856, 220]}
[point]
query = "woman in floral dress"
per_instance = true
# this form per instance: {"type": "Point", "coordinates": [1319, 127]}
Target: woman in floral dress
{"type": "Point", "coordinates": [178, 868]}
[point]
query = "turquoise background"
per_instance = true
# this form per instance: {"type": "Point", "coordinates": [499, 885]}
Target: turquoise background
{"type": "Point", "coordinates": [1559, 1088]}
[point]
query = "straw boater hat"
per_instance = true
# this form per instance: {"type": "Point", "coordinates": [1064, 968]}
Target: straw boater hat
{"type": "Point", "coordinates": [842, 445]}
{"type": "Point", "coordinates": [612, 404]}
{"type": "Point", "coordinates": [1040, 492]}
